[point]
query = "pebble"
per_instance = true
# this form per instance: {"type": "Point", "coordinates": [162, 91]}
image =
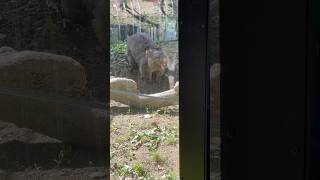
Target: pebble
{"type": "Point", "coordinates": [147, 116]}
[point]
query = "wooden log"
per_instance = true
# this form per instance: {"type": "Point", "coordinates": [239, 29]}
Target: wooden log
{"type": "Point", "coordinates": [125, 91]}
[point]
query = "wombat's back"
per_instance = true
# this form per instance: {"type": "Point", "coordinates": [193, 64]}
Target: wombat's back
{"type": "Point", "coordinates": [138, 44]}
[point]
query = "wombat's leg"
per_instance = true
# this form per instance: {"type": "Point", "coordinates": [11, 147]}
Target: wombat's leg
{"type": "Point", "coordinates": [146, 74]}
{"type": "Point", "coordinates": [150, 76]}
{"type": "Point", "coordinates": [159, 74]}
{"type": "Point", "coordinates": [142, 71]}
{"type": "Point", "coordinates": [130, 60]}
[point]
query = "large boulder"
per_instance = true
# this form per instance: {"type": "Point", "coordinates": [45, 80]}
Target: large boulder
{"type": "Point", "coordinates": [76, 121]}
{"type": "Point", "coordinates": [4, 50]}
{"type": "Point", "coordinates": [40, 91]}
{"type": "Point", "coordinates": [25, 146]}
{"type": "Point", "coordinates": [41, 71]}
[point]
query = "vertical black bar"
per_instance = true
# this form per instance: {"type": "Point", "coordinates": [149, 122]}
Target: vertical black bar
{"type": "Point", "coordinates": [263, 60]}
{"type": "Point", "coordinates": [193, 88]}
{"type": "Point", "coordinates": [108, 92]}
{"type": "Point", "coordinates": [313, 125]}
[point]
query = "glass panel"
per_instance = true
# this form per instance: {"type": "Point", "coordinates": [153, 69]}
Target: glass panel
{"type": "Point", "coordinates": [53, 90]}
{"type": "Point", "coordinates": [144, 130]}
{"type": "Point", "coordinates": [213, 55]}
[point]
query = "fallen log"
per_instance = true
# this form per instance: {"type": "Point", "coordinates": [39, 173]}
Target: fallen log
{"type": "Point", "coordinates": [125, 91]}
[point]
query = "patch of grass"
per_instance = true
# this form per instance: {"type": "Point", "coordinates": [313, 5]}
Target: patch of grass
{"type": "Point", "coordinates": [157, 157]}
{"type": "Point", "coordinates": [129, 110]}
{"type": "Point", "coordinates": [134, 111]}
{"type": "Point", "coordinates": [171, 140]}
{"type": "Point", "coordinates": [149, 110]}
{"type": "Point", "coordinates": [64, 156]}
{"type": "Point", "coordinates": [152, 111]}
{"type": "Point", "coordinates": [137, 171]}
{"type": "Point", "coordinates": [148, 138]}
{"type": "Point", "coordinates": [124, 170]}
{"type": "Point", "coordinates": [170, 175]}
{"type": "Point", "coordinates": [167, 111]}
{"type": "Point", "coordinates": [151, 138]}
{"type": "Point", "coordinates": [111, 155]}
{"type": "Point", "coordinates": [118, 49]}
{"type": "Point", "coordinates": [172, 136]}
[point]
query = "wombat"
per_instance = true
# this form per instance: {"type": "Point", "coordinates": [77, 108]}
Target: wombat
{"type": "Point", "coordinates": [142, 52]}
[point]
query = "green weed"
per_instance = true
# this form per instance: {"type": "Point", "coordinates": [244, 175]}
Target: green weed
{"type": "Point", "coordinates": [157, 157]}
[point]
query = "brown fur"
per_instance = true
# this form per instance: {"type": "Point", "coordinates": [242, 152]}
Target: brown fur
{"type": "Point", "coordinates": [142, 52]}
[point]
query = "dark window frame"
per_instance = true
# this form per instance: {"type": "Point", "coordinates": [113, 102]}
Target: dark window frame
{"type": "Point", "coordinates": [263, 89]}
{"type": "Point", "coordinates": [194, 89]}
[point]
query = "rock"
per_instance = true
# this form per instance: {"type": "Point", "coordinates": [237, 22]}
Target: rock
{"type": "Point", "coordinates": [147, 116]}
{"type": "Point", "coordinates": [6, 50]}
{"type": "Point", "coordinates": [40, 71]}
{"type": "Point", "coordinates": [76, 121]}
{"type": "Point", "coordinates": [11, 133]}
{"type": "Point", "coordinates": [96, 175]}
{"type": "Point", "coordinates": [25, 146]}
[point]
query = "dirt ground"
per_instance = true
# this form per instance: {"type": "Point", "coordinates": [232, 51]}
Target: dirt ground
{"type": "Point", "coordinates": [28, 155]}
{"type": "Point", "coordinates": [88, 173]}
{"type": "Point", "coordinates": [144, 143]}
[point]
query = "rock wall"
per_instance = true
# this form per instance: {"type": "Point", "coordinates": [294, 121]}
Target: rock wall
{"type": "Point", "coordinates": [47, 93]}
{"type": "Point", "coordinates": [41, 26]}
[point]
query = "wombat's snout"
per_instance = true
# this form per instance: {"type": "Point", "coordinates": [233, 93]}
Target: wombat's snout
{"type": "Point", "coordinates": [163, 65]}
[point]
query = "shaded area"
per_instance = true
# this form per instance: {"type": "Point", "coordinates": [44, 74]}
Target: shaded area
{"type": "Point", "coordinates": [55, 104]}
{"type": "Point", "coordinates": [41, 25]}
{"type": "Point", "coordinates": [89, 173]}
{"type": "Point", "coordinates": [214, 59]}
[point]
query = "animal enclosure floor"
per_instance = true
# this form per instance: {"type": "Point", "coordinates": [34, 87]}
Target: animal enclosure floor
{"type": "Point", "coordinates": [88, 173]}
{"type": "Point", "coordinates": [16, 143]}
{"type": "Point", "coordinates": [144, 142]}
